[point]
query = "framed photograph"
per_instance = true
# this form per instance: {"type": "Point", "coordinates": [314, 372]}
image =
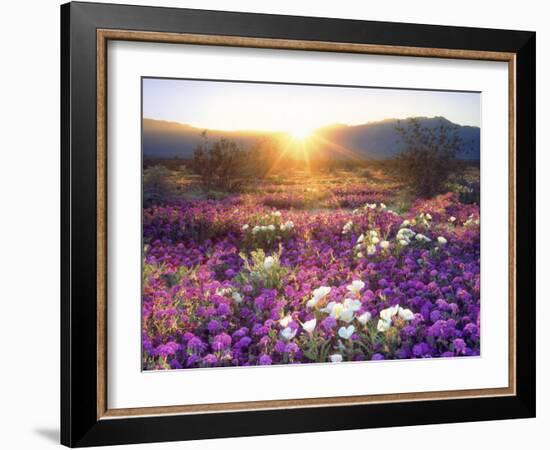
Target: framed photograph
{"type": "Point", "coordinates": [276, 224]}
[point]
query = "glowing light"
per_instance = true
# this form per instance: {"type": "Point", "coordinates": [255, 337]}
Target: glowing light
{"type": "Point", "coordinates": [300, 132]}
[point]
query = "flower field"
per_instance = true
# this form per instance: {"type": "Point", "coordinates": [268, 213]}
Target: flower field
{"type": "Point", "coordinates": [317, 270]}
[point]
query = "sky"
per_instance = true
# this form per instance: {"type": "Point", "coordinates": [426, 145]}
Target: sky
{"type": "Point", "coordinates": [298, 109]}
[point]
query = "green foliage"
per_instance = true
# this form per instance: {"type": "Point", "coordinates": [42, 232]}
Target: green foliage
{"type": "Point", "coordinates": [171, 278]}
{"type": "Point", "coordinates": [429, 157]}
{"type": "Point", "coordinates": [263, 271]}
{"type": "Point", "coordinates": [266, 230]}
{"type": "Point", "coordinates": [157, 186]}
{"type": "Point", "coordinates": [468, 190]}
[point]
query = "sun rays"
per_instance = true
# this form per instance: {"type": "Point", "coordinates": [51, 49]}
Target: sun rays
{"type": "Point", "coordinates": [306, 145]}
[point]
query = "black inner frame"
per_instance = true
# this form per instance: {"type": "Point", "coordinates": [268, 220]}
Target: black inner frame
{"type": "Point", "coordinates": [79, 424]}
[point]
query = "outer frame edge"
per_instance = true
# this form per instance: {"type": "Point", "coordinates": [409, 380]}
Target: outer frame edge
{"type": "Point", "coordinates": [102, 432]}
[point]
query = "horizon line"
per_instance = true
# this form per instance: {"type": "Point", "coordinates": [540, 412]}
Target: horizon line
{"type": "Point", "coordinates": [313, 130]}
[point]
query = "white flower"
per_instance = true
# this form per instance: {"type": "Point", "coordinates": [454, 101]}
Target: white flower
{"type": "Point", "coordinates": [371, 250]}
{"type": "Point", "coordinates": [321, 292]}
{"type": "Point", "coordinates": [336, 310]}
{"type": "Point", "coordinates": [364, 318]}
{"type": "Point", "coordinates": [388, 313]}
{"type": "Point", "coordinates": [373, 234]}
{"type": "Point", "coordinates": [256, 229]}
{"type": "Point", "coordinates": [405, 223]}
{"type": "Point", "coordinates": [384, 244]}
{"type": "Point", "coordinates": [288, 333]}
{"type": "Point", "coordinates": [406, 314]}
{"type": "Point", "coordinates": [375, 240]}
{"type": "Point", "coordinates": [347, 227]}
{"type": "Point", "coordinates": [354, 305]}
{"type": "Point", "coordinates": [347, 315]}
{"type": "Point", "coordinates": [223, 291]}
{"type": "Point", "coordinates": [370, 206]}
{"type": "Point", "coordinates": [276, 213]}
{"type": "Point", "coordinates": [271, 227]}
{"type": "Point", "coordinates": [452, 219]}
{"type": "Point", "coordinates": [428, 216]}
{"type": "Point", "coordinates": [441, 240]}
{"type": "Point", "coordinates": [346, 333]}
{"type": "Point", "coordinates": [328, 309]}
{"type": "Point", "coordinates": [309, 326]}
{"type": "Point", "coordinates": [237, 297]}
{"type": "Point", "coordinates": [361, 238]}
{"type": "Point", "coordinates": [289, 225]}
{"type": "Point", "coordinates": [268, 262]}
{"type": "Point", "coordinates": [318, 294]}
{"type": "Point", "coordinates": [355, 286]}
{"type": "Point", "coordinates": [245, 227]}
{"type": "Point", "coordinates": [405, 233]}
{"type": "Point", "coordinates": [359, 255]}
{"type": "Point", "coordinates": [382, 206]}
{"type": "Point", "coordinates": [311, 303]}
{"type": "Point", "coordinates": [421, 238]}
{"type": "Point", "coordinates": [383, 325]}
{"type": "Point", "coordinates": [336, 358]}
{"type": "Point", "coordinates": [285, 321]}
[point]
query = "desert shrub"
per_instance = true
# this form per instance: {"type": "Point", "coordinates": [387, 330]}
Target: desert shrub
{"type": "Point", "coordinates": [157, 186]}
{"type": "Point", "coordinates": [468, 189]}
{"type": "Point", "coordinates": [429, 156]}
{"type": "Point", "coordinates": [222, 165]}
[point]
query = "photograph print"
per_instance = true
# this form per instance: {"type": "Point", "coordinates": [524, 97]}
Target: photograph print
{"type": "Point", "coordinates": [298, 224]}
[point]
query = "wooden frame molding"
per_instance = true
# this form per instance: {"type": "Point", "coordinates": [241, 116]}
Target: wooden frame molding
{"type": "Point", "coordinates": [103, 36]}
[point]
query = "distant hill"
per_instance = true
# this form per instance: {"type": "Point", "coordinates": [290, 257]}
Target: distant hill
{"type": "Point", "coordinates": [374, 140]}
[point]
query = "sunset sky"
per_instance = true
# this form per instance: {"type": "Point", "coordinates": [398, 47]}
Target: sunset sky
{"type": "Point", "coordinates": [297, 109]}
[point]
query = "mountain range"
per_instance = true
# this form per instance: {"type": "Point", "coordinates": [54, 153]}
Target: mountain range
{"type": "Point", "coordinates": [373, 140]}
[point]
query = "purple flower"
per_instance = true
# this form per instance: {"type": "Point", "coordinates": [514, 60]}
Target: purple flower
{"type": "Point", "coordinates": [409, 331]}
{"type": "Point", "coordinates": [213, 326]}
{"type": "Point", "coordinates": [280, 347]}
{"type": "Point", "coordinates": [435, 315]}
{"type": "Point", "coordinates": [210, 360]}
{"type": "Point", "coordinates": [243, 342]}
{"type": "Point", "coordinates": [223, 309]}
{"type": "Point", "coordinates": [195, 344]}
{"type": "Point", "coordinates": [194, 265]}
{"type": "Point", "coordinates": [221, 342]}
{"type": "Point", "coordinates": [265, 360]}
{"type": "Point", "coordinates": [174, 364]}
{"type": "Point", "coordinates": [329, 323]}
{"type": "Point", "coordinates": [460, 346]}
{"type": "Point", "coordinates": [421, 350]}
{"type": "Point", "coordinates": [170, 348]}
{"type": "Point", "coordinates": [240, 332]}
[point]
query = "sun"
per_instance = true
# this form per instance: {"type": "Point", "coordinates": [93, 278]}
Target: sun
{"type": "Point", "coordinates": [300, 133]}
